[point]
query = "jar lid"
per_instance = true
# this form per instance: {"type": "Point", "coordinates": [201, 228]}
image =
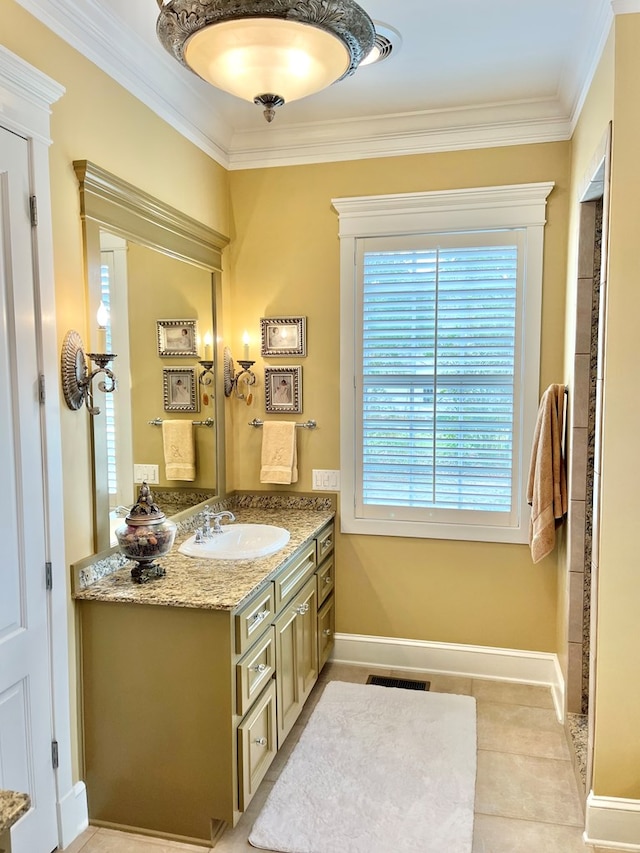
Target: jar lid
{"type": "Point", "coordinates": [145, 511]}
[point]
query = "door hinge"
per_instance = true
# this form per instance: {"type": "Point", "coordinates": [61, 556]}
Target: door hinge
{"type": "Point", "coordinates": [48, 575]}
{"type": "Point", "coordinates": [42, 394]}
{"type": "Point", "coordinates": [54, 754]}
{"type": "Point", "coordinates": [33, 207]}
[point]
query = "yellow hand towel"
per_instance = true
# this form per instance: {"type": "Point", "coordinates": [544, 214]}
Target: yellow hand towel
{"type": "Point", "coordinates": [279, 463]}
{"type": "Point", "coordinates": [547, 487]}
{"type": "Point", "coordinates": [179, 450]}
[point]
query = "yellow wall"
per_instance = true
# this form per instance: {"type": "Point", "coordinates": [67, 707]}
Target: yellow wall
{"type": "Point", "coordinates": [285, 258]}
{"type": "Point", "coordinates": [617, 746]}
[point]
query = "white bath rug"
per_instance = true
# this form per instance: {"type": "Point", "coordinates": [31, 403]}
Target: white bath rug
{"type": "Point", "coordinates": [376, 770]}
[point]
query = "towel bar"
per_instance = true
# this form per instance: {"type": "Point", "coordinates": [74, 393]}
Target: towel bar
{"type": "Point", "coordinates": [207, 423]}
{"type": "Point", "coordinates": [256, 422]}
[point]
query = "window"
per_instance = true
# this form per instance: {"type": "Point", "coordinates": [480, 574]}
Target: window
{"type": "Point", "coordinates": [440, 323]}
{"type": "Point", "coordinates": [106, 275]}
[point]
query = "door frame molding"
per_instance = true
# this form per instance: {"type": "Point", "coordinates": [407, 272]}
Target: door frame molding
{"type": "Point", "coordinates": [26, 97]}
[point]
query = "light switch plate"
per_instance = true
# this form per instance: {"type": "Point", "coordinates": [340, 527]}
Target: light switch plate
{"type": "Point", "coordinates": [326, 480]}
{"type": "Point", "coordinates": [146, 474]}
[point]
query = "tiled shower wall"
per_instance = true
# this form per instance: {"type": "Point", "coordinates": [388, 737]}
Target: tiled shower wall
{"type": "Point", "coordinates": [582, 464]}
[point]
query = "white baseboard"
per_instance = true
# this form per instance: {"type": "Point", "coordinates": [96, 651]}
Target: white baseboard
{"type": "Point", "coordinates": [613, 823]}
{"type": "Point", "coordinates": [73, 814]}
{"type": "Point", "coordinates": [449, 658]}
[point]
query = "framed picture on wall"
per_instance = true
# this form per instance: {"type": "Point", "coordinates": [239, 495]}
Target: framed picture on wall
{"type": "Point", "coordinates": [283, 336]}
{"type": "Point", "coordinates": [180, 389]}
{"type": "Point", "coordinates": [283, 389]}
{"type": "Point", "coordinates": [178, 338]}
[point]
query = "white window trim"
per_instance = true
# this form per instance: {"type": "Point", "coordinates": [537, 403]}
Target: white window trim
{"type": "Point", "coordinates": [482, 208]}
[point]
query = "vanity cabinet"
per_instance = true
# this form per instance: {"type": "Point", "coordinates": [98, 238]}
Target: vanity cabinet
{"type": "Point", "coordinates": [184, 709]}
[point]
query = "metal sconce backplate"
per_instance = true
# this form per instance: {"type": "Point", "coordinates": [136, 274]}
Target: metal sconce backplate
{"type": "Point", "coordinates": [73, 367]}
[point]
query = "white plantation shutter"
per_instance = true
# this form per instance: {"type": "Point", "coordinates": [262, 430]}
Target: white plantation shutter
{"type": "Point", "coordinates": [438, 371]}
{"type": "Point", "coordinates": [106, 276]}
{"type": "Point", "coordinates": [440, 337]}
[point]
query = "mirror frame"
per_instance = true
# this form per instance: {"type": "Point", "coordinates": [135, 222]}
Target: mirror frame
{"type": "Point", "coordinates": [107, 202]}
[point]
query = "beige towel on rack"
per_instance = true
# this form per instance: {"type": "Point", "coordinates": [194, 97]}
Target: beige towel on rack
{"type": "Point", "coordinates": [547, 487]}
{"type": "Point", "coordinates": [179, 450]}
{"type": "Point", "coordinates": [279, 463]}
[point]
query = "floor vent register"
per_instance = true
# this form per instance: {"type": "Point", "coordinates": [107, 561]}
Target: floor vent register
{"type": "Point", "coordinates": [405, 683]}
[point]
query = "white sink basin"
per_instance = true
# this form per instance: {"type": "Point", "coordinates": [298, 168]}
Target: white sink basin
{"type": "Point", "coordinates": [238, 542]}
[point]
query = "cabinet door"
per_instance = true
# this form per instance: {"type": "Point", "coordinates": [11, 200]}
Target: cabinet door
{"type": "Point", "coordinates": [287, 684]}
{"type": "Point", "coordinates": [326, 631]}
{"type": "Point", "coordinates": [296, 660]}
{"type": "Point", "coordinates": [307, 638]}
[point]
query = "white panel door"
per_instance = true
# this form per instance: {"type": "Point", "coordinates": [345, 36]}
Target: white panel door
{"type": "Point", "coordinates": [25, 673]}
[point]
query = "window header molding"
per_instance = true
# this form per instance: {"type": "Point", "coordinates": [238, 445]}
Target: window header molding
{"type": "Point", "coordinates": [515, 205]}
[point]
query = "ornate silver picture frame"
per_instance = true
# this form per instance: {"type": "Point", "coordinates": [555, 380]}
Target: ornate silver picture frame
{"type": "Point", "coordinates": [178, 338]}
{"type": "Point", "coordinates": [180, 389]}
{"type": "Point", "coordinates": [283, 336]}
{"type": "Point", "coordinates": [283, 389]}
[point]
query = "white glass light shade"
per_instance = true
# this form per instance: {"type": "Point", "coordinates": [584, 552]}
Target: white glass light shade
{"type": "Point", "coordinates": [257, 56]}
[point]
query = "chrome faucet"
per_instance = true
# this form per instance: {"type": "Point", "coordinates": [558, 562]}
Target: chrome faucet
{"type": "Point", "coordinates": [207, 530]}
{"type": "Point", "coordinates": [217, 527]}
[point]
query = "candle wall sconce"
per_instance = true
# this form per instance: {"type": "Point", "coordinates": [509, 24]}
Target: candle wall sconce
{"type": "Point", "coordinates": [77, 373]}
{"type": "Point", "coordinates": [234, 380]}
{"type": "Point", "coordinates": [206, 377]}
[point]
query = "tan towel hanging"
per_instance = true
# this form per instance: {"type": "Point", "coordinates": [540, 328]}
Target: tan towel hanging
{"type": "Point", "coordinates": [279, 462]}
{"type": "Point", "coordinates": [179, 450]}
{"type": "Point", "coordinates": [547, 487]}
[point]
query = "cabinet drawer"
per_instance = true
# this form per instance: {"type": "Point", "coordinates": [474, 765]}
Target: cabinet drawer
{"type": "Point", "coordinates": [254, 671]}
{"type": "Point", "coordinates": [325, 578]}
{"type": "Point", "coordinates": [257, 745]}
{"type": "Point", "coordinates": [326, 631]}
{"type": "Point", "coordinates": [325, 542]}
{"type": "Point", "coordinates": [252, 620]}
{"type": "Point", "coordinates": [293, 577]}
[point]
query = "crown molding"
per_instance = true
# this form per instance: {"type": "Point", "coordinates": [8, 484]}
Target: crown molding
{"type": "Point", "coordinates": [149, 76]}
{"type": "Point", "coordinates": [29, 94]}
{"type": "Point", "coordinates": [576, 82]}
{"type": "Point", "coordinates": [489, 126]}
{"type": "Point", "coordinates": [625, 7]}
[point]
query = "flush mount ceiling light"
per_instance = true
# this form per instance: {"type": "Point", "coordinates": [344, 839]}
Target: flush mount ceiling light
{"type": "Point", "coordinates": [268, 52]}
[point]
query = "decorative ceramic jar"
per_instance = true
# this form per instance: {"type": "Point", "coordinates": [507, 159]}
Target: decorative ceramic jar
{"type": "Point", "coordinates": [146, 534]}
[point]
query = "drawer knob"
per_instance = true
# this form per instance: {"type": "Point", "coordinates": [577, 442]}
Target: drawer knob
{"type": "Point", "coordinates": [258, 618]}
{"type": "Point", "coordinates": [261, 741]}
{"type": "Point", "coordinates": [302, 609]}
{"type": "Point", "coordinates": [328, 579]}
{"type": "Point", "coordinates": [259, 667]}
{"type": "Point", "coordinates": [327, 543]}
{"type": "Point", "coordinates": [327, 632]}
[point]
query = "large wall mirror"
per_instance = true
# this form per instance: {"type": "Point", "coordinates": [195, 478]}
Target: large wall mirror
{"type": "Point", "coordinates": [148, 263]}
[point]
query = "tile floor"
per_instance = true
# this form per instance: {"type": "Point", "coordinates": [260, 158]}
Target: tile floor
{"type": "Point", "coordinates": [526, 793]}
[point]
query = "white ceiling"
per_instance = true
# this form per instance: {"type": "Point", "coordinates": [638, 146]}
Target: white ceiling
{"type": "Point", "coordinates": [467, 74]}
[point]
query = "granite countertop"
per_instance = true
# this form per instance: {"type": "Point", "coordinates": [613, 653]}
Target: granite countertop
{"type": "Point", "coordinates": [12, 806]}
{"type": "Point", "coordinates": [210, 584]}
